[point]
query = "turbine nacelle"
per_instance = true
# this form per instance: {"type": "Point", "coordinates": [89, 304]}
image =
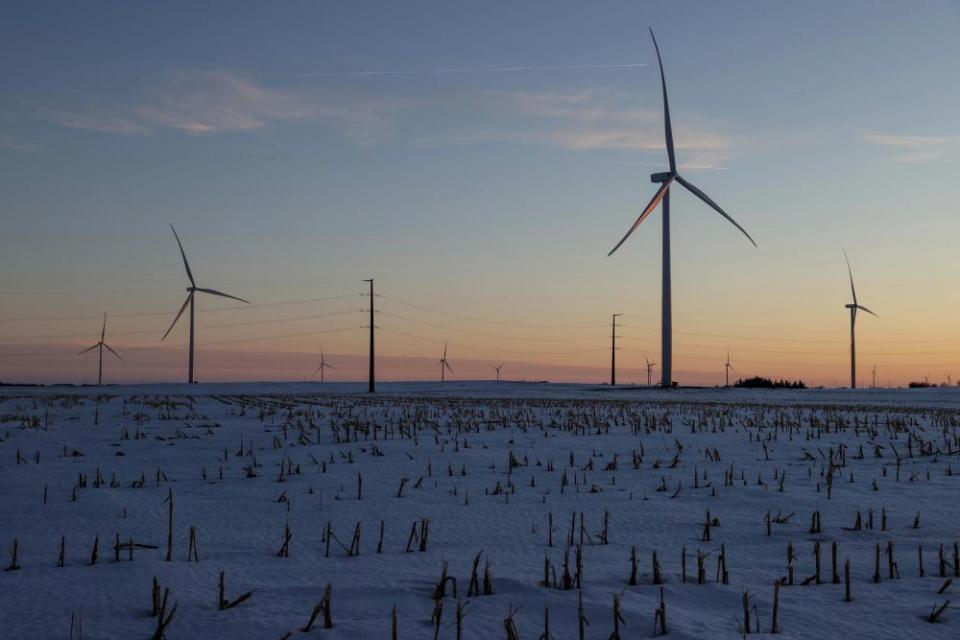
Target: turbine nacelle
{"type": "Point", "coordinates": [660, 177]}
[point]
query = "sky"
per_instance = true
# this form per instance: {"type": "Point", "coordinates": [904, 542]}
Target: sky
{"type": "Point", "coordinates": [478, 160]}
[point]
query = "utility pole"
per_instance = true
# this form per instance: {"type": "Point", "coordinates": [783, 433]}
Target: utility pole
{"type": "Point", "coordinates": [613, 350]}
{"type": "Point", "coordinates": [371, 386]}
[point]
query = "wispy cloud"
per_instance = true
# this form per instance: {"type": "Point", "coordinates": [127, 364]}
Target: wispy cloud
{"type": "Point", "coordinates": [13, 145]}
{"type": "Point", "coordinates": [917, 148]}
{"type": "Point", "coordinates": [373, 73]}
{"type": "Point", "coordinates": [586, 121]}
{"type": "Point", "coordinates": [212, 102]}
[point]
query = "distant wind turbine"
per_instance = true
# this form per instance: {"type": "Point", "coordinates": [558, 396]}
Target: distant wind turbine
{"type": "Point", "coordinates": [666, 179]}
{"type": "Point", "coordinates": [854, 306]}
{"type": "Point", "coordinates": [498, 367]}
{"type": "Point", "coordinates": [727, 369]}
{"type": "Point", "coordinates": [444, 365]}
{"type": "Point", "coordinates": [101, 345]}
{"type": "Point", "coordinates": [649, 371]}
{"type": "Point", "coordinates": [323, 365]}
{"type": "Point", "coordinates": [191, 291]}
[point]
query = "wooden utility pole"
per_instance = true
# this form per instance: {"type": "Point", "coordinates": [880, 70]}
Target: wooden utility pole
{"type": "Point", "coordinates": [613, 350]}
{"type": "Point", "coordinates": [371, 386]}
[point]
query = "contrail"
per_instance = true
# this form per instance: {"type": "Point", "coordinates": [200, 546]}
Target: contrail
{"type": "Point", "coordinates": [452, 70]}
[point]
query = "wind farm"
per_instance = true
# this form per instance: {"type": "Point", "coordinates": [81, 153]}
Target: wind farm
{"type": "Point", "coordinates": [596, 458]}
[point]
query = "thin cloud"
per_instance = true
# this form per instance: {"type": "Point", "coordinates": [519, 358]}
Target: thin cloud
{"type": "Point", "coordinates": [372, 73]}
{"type": "Point", "coordinates": [917, 148]}
{"type": "Point", "coordinates": [13, 145]}
{"type": "Point", "coordinates": [586, 121]}
{"type": "Point", "coordinates": [213, 102]}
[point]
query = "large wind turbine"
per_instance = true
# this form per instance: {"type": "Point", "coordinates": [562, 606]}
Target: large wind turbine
{"type": "Point", "coordinates": [649, 371]}
{"type": "Point", "coordinates": [498, 368]}
{"type": "Point", "coordinates": [101, 345]}
{"type": "Point", "coordinates": [853, 322]}
{"type": "Point", "coordinates": [444, 365]}
{"type": "Point", "coordinates": [666, 179]}
{"type": "Point", "coordinates": [727, 368]}
{"type": "Point", "coordinates": [191, 293]}
{"type": "Point", "coordinates": [323, 365]}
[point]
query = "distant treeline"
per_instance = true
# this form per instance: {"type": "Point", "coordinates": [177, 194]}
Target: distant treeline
{"type": "Point", "coordinates": [757, 382]}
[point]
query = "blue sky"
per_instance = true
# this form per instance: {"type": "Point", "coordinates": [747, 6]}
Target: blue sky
{"type": "Point", "coordinates": [302, 146]}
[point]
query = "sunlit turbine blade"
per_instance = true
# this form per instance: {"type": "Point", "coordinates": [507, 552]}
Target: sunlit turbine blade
{"type": "Point", "coordinates": [89, 349]}
{"type": "Point", "coordinates": [182, 253]}
{"type": "Point", "coordinates": [650, 207]}
{"type": "Point", "coordinates": [179, 313]}
{"type": "Point", "coordinates": [329, 366]}
{"type": "Point", "coordinates": [103, 331]}
{"type": "Point", "coordinates": [850, 272]}
{"type": "Point", "coordinates": [220, 293]}
{"type": "Point", "coordinates": [667, 128]}
{"type": "Point", "coordinates": [447, 365]}
{"type": "Point", "coordinates": [863, 308]}
{"type": "Point", "coordinates": [700, 194]}
{"type": "Point", "coordinates": [110, 349]}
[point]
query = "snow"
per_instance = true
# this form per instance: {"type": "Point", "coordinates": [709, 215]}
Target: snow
{"type": "Point", "coordinates": [474, 427]}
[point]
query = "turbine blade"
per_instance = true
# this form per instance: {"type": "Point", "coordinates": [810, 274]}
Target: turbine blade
{"type": "Point", "coordinates": [110, 349]}
{"type": "Point", "coordinates": [103, 331]}
{"type": "Point", "coordinates": [863, 308]}
{"type": "Point", "coordinates": [447, 365]}
{"type": "Point", "coordinates": [667, 128]}
{"type": "Point", "coordinates": [850, 272]}
{"type": "Point", "coordinates": [692, 188]}
{"type": "Point", "coordinates": [329, 366]}
{"type": "Point", "coordinates": [183, 253]}
{"type": "Point", "coordinates": [88, 350]}
{"type": "Point", "coordinates": [214, 292]}
{"type": "Point", "coordinates": [179, 313]}
{"type": "Point", "coordinates": [658, 196]}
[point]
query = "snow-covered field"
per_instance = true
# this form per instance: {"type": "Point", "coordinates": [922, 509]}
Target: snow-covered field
{"type": "Point", "coordinates": [488, 466]}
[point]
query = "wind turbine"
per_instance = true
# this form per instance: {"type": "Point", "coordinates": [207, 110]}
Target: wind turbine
{"type": "Point", "coordinates": [323, 365]}
{"type": "Point", "coordinates": [498, 368]}
{"type": "Point", "coordinates": [444, 365]}
{"type": "Point", "coordinates": [666, 179]}
{"type": "Point", "coordinates": [101, 345]}
{"type": "Point", "coordinates": [191, 293]}
{"type": "Point", "coordinates": [853, 322]}
{"type": "Point", "coordinates": [727, 369]}
{"type": "Point", "coordinates": [649, 371]}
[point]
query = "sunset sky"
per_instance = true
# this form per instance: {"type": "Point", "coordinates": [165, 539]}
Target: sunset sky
{"type": "Point", "coordinates": [479, 160]}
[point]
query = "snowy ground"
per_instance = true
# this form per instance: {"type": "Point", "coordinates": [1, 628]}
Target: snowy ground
{"type": "Point", "coordinates": [487, 465]}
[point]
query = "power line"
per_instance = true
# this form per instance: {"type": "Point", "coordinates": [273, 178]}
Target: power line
{"type": "Point", "coordinates": [487, 320]}
{"type": "Point", "coordinates": [153, 314]}
{"type": "Point", "coordinates": [485, 335]}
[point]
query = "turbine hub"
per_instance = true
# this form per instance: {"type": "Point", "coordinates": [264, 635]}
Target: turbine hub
{"type": "Point", "coordinates": [660, 177]}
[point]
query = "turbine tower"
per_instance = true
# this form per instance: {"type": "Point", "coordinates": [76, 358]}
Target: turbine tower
{"type": "Point", "coordinates": [853, 307]}
{"type": "Point", "coordinates": [444, 365]}
{"type": "Point", "coordinates": [666, 179]}
{"type": "Point", "coordinates": [649, 371]}
{"type": "Point", "coordinates": [191, 294]}
{"type": "Point", "coordinates": [323, 365]}
{"type": "Point", "coordinates": [101, 345]}
{"type": "Point", "coordinates": [498, 367]}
